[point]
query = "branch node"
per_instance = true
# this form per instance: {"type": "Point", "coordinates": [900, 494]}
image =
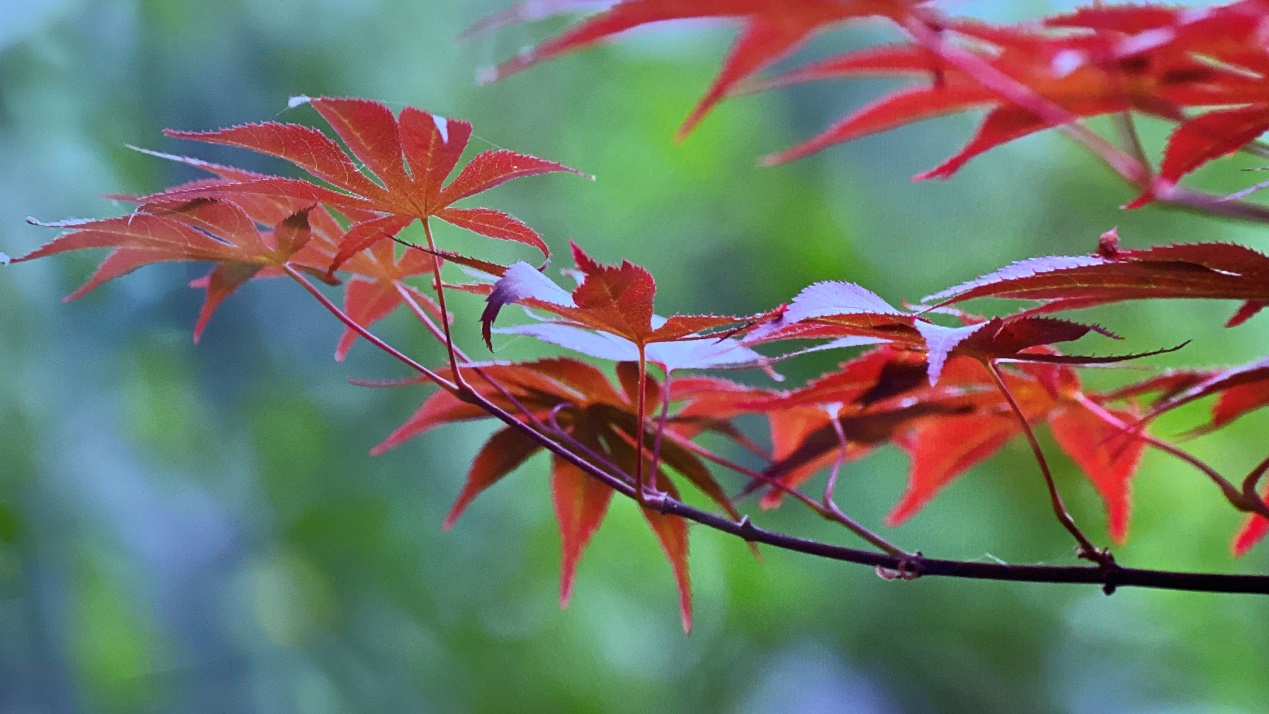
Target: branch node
{"type": "Point", "coordinates": [1111, 571]}
{"type": "Point", "coordinates": [747, 530]}
{"type": "Point", "coordinates": [658, 501]}
{"type": "Point", "coordinates": [908, 568]}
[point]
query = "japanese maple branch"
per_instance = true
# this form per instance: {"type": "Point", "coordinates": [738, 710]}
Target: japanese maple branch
{"type": "Point", "coordinates": [1109, 575]}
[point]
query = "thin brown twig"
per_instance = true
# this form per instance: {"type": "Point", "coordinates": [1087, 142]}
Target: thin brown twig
{"type": "Point", "coordinates": [841, 516]}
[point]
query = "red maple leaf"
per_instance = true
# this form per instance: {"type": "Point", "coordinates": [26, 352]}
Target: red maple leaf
{"type": "Point", "coordinates": [839, 310]}
{"type": "Point", "coordinates": [378, 286]}
{"type": "Point", "coordinates": [1221, 271]}
{"type": "Point", "coordinates": [406, 160]}
{"type": "Point", "coordinates": [614, 299]}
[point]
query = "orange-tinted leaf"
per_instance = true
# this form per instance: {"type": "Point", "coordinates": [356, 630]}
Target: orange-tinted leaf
{"type": "Point", "coordinates": [1107, 455]}
{"type": "Point", "coordinates": [1253, 532]}
{"type": "Point", "coordinates": [944, 449]}
{"type": "Point", "coordinates": [505, 450]}
{"type": "Point", "coordinates": [581, 503]}
{"type": "Point", "coordinates": [671, 532]}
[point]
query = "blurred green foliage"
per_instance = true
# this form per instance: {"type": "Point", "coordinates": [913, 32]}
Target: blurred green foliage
{"type": "Point", "coordinates": [200, 530]}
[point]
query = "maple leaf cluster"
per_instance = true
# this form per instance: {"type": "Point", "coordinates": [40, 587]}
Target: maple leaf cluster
{"type": "Point", "coordinates": [1155, 60]}
{"type": "Point", "coordinates": [946, 386]}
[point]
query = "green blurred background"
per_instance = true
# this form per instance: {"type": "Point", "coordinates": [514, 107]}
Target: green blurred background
{"type": "Point", "coordinates": [200, 530]}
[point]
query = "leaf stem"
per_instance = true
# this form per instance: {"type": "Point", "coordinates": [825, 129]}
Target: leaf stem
{"type": "Point", "coordinates": [661, 421]}
{"type": "Point", "coordinates": [1236, 498]}
{"type": "Point", "coordinates": [1251, 484]}
{"type": "Point", "coordinates": [841, 517]}
{"type": "Point", "coordinates": [828, 513]}
{"type": "Point", "coordinates": [1087, 549]}
{"type": "Point", "coordinates": [440, 301]}
{"type": "Point", "coordinates": [641, 400]}
{"type": "Point", "coordinates": [370, 337]}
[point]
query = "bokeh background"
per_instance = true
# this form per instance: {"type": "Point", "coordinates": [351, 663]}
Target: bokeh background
{"type": "Point", "coordinates": [200, 529]}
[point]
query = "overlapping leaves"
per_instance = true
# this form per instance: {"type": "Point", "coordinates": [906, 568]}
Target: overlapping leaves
{"type": "Point", "coordinates": [1104, 59]}
{"type": "Point", "coordinates": [574, 402]}
{"type": "Point", "coordinates": [947, 387]}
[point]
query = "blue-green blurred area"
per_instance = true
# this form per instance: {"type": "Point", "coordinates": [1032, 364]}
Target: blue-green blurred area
{"type": "Point", "coordinates": [200, 529]}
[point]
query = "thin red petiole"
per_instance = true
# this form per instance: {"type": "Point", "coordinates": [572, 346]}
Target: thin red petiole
{"type": "Point", "coordinates": [661, 421]}
{"type": "Point", "coordinates": [831, 504]}
{"type": "Point", "coordinates": [440, 301]}
{"type": "Point", "coordinates": [641, 400]}
{"type": "Point", "coordinates": [353, 325]}
{"type": "Point", "coordinates": [1087, 549]}
{"type": "Point", "coordinates": [829, 514]}
{"type": "Point", "coordinates": [1251, 484]}
{"type": "Point", "coordinates": [1236, 498]}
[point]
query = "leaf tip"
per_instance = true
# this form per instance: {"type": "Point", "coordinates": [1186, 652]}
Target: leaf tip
{"type": "Point", "coordinates": [442, 127]}
{"type": "Point", "coordinates": [566, 589]}
{"type": "Point", "coordinates": [298, 100]}
{"type": "Point", "coordinates": [460, 505]}
{"type": "Point", "coordinates": [5, 259]}
{"type": "Point", "coordinates": [486, 75]}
